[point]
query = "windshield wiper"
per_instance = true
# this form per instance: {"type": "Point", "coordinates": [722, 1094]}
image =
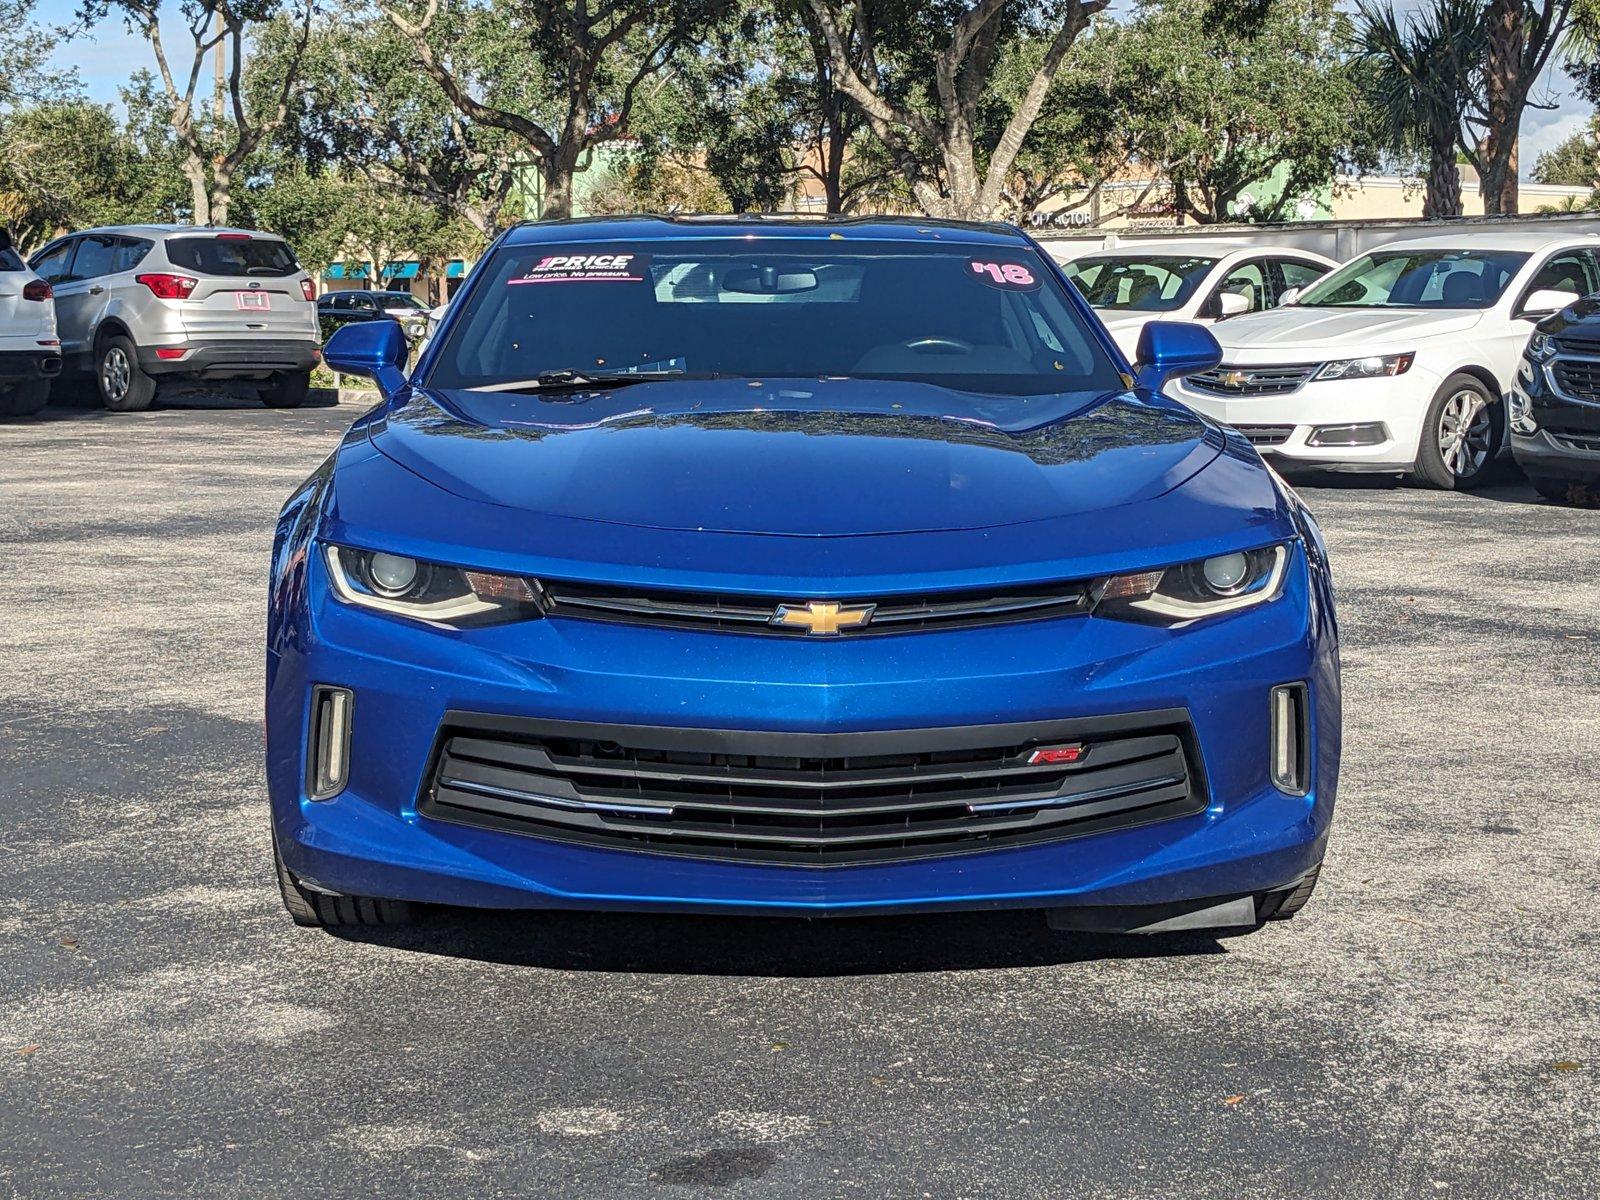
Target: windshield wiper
{"type": "Point", "coordinates": [568, 380]}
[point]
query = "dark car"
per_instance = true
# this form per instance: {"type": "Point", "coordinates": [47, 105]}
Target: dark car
{"type": "Point", "coordinates": [340, 308]}
{"type": "Point", "coordinates": [1555, 404]}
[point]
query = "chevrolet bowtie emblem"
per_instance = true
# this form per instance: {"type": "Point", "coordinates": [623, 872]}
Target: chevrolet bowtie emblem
{"type": "Point", "coordinates": [823, 618]}
{"type": "Point", "coordinates": [1234, 378]}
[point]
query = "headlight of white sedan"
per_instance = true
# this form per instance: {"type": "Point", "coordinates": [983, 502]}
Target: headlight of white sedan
{"type": "Point", "coordinates": [1224, 583]}
{"type": "Point", "coordinates": [1375, 367]}
{"type": "Point", "coordinates": [411, 587]}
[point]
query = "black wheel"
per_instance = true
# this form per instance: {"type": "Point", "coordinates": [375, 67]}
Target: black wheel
{"type": "Point", "coordinates": [287, 390]}
{"type": "Point", "coordinates": [1461, 436]}
{"type": "Point", "coordinates": [25, 398]}
{"type": "Point", "coordinates": [124, 387]}
{"type": "Point", "coordinates": [322, 911]}
{"type": "Point", "coordinates": [1296, 900]}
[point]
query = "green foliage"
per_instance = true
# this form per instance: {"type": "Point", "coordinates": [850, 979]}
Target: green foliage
{"type": "Point", "coordinates": [1572, 162]}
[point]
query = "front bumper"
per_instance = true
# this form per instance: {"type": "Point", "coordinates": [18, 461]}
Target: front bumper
{"type": "Point", "coordinates": [1566, 441]}
{"type": "Point", "coordinates": [371, 839]}
{"type": "Point", "coordinates": [1284, 426]}
{"type": "Point", "coordinates": [245, 358]}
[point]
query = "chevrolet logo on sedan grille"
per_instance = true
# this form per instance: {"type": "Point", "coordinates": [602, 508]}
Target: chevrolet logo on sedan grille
{"type": "Point", "coordinates": [823, 618]}
{"type": "Point", "coordinates": [1234, 378]}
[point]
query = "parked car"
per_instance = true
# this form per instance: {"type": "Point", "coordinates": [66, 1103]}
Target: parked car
{"type": "Point", "coordinates": [1187, 280]}
{"type": "Point", "coordinates": [1554, 404]}
{"type": "Point", "coordinates": [142, 306]}
{"type": "Point", "coordinates": [761, 596]}
{"type": "Point", "coordinates": [30, 354]}
{"type": "Point", "coordinates": [340, 308]}
{"type": "Point", "coordinates": [1399, 360]}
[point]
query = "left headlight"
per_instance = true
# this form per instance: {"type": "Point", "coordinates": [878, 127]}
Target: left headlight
{"type": "Point", "coordinates": [1378, 366]}
{"type": "Point", "coordinates": [1224, 583]}
{"type": "Point", "coordinates": [427, 591]}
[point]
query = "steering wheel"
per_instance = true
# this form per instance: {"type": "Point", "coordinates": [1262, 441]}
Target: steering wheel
{"type": "Point", "coordinates": [939, 345]}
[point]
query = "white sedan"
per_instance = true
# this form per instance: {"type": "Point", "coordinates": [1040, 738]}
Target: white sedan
{"type": "Point", "coordinates": [1187, 280]}
{"type": "Point", "coordinates": [1398, 361]}
{"type": "Point", "coordinates": [30, 349]}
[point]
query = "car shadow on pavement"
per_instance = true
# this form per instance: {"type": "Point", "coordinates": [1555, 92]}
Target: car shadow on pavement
{"type": "Point", "coordinates": [1506, 487]}
{"type": "Point", "coordinates": [80, 403]}
{"type": "Point", "coordinates": [780, 947]}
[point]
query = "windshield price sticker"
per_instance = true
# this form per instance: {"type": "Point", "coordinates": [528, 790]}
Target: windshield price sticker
{"type": "Point", "coordinates": [591, 268]}
{"type": "Point", "coordinates": [1011, 276]}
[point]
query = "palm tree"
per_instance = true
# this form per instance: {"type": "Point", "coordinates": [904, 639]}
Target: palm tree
{"type": "Point", "coordinates": [1420, 75]}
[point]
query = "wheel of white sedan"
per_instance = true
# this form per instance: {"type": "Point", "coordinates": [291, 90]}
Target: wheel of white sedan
{"type": "Point", "coordinates": [1461, 435]}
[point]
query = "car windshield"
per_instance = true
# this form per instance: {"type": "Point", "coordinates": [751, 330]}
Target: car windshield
{"type": "Point", "coordinates": [1139, 282]}
{"type": "Point", "coordinates": [1417, 279]}
{"type": "Point", "coordinates": [399, 300]}
{"type": "Point", "coordinates": [973, 317]}
{"type": "Point", "coordinates": [232, 254]}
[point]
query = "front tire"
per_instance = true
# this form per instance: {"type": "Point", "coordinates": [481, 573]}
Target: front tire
{"type": "Point", "coordinates": [1461, 435]}
{"type": "Point", "coordinates": [25, 398]}
{"type": "Point", "coordinates": [287, 390]}
{"type": "Point", "coordinates": [319, 910]}
{"type": "Point", "coordinates": [124, 387]}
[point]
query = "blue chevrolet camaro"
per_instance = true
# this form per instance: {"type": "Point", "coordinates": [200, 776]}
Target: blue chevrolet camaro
{"type": "Point", "coordinates": [794, 567]}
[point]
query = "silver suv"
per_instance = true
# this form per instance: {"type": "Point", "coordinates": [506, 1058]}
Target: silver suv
{"type": "Point", "coordinates": [142, 305]}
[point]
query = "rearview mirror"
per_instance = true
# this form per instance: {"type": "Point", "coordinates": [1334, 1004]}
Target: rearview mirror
{"type": "Point", "coordinates": [1232, 304]}
{"type": "Point", "coordinates": [1546, 301]}
{"type": "Point", "coordinates": [769, 281]}
{"type": "Point", "coordinates": [374, 350]}
{"type": "Point", "coordinates": [1172, 349]}
{"type": "Point", "coordinates": [1290, 295]}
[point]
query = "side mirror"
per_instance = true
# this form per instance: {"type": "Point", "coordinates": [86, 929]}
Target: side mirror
{"type": "Point", "coordinates": [1171, 349]}
{"type": "Point", "coordinates": [1232, 304]}
{"type": "Point", "coordinates": [1546, 301]}
{"type": "Point", "coordinates": [1289, 296]}
{"type": "Point", "coordinates": [374, 350]}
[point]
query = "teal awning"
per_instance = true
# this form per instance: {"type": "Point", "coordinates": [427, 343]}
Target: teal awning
{"type": "Point", "coordinates": [455, 270]}
{"type": "Point", "coordinates": [401, 270]}
{"type": "Point", "coordinates": [339, 271]}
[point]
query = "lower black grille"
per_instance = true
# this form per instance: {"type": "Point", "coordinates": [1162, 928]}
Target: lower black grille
{"type": "Point", "coordinates": [813, 799]}
{"type": "Point", "coordinates": [1252, 381]}
{"type": "Point", "coordinates": [1578, 377]}
{"type": "Point", "coordinates": [1583, 443]}
{"type": "Point", "coordinates": [1266, 435]}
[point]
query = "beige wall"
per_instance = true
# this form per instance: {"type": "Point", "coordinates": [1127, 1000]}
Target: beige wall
{"type": "Point", "coordinates": [1387, 196]}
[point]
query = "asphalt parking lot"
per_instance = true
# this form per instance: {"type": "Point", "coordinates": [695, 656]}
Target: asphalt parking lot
{"type": "Point", "coordinates": [1430, 1025]}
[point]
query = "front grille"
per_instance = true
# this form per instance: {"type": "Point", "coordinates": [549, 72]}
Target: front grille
{"type": "Point", "coordinates": [1266, 435]}
{"type": "Point", "coordinates": [698, 610]}
{"type": "Point", "coordinates": [1582, 443]}
{"type": "Point", "coordinates": [1252, 381]}
{"type": "Point", "coordinates": [1577, 377]}
{"type": "Point", "coordinates": [812, 799]}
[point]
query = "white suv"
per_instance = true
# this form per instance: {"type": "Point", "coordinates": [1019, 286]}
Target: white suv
{"type": "Point", "coordinates": [1398, 361]}
{"type": "Point", "coordinates": [30, 355]}
{"type": "Point", "coordinates": [142, 305]}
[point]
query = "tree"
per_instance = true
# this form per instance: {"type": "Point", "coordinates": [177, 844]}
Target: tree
{"type": "Point", "coordinates": [1256, 117]}
{"type": "Point", "coordinates": [559, 75]}
{"type": "Point", "coordinates": [362, 109]}
{"type": "Point", "coordinates": [1420, 75]}
{"type": "Point", "coordinates": [921, 76]}
{"type": "Point", "coordinates": [215, 149]}
{"type": "Point", "coordinates": [1520, 36]}
{"type": "Point", "coordinates": [1572, 162]}
{"type": "Point", "coordinates": [25, 49]}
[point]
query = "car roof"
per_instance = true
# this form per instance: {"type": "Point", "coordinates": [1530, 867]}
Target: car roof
{"type": "Point", "coordinates": [773, 225]}
{"type": "Point", "coordinates": [163, 230]}
{"type": "Point", "coordinates": [1199, 247]}
{"type": "Point", "coordinates": [1529, 242]}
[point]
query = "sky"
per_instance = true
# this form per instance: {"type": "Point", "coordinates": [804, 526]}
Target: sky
{"type": "Point", "coordinates": [105, 58]}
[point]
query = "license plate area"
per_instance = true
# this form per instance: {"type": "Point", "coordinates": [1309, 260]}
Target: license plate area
{"type": "Point", "coordinates": [253, 301]}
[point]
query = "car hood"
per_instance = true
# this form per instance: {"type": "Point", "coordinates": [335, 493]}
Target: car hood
{"type": "Point", "coordinates": [797, 458]}
{"type": "Point", "coordinates": [1333, 329]}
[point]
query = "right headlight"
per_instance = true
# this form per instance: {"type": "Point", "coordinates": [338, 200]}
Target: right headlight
{"type": "Point", "coordinates": [1209, 587]}
{"type": "Point", "coordinates": [1378, 366]}
{"type": "Point", "coordinates": [427, 591]}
